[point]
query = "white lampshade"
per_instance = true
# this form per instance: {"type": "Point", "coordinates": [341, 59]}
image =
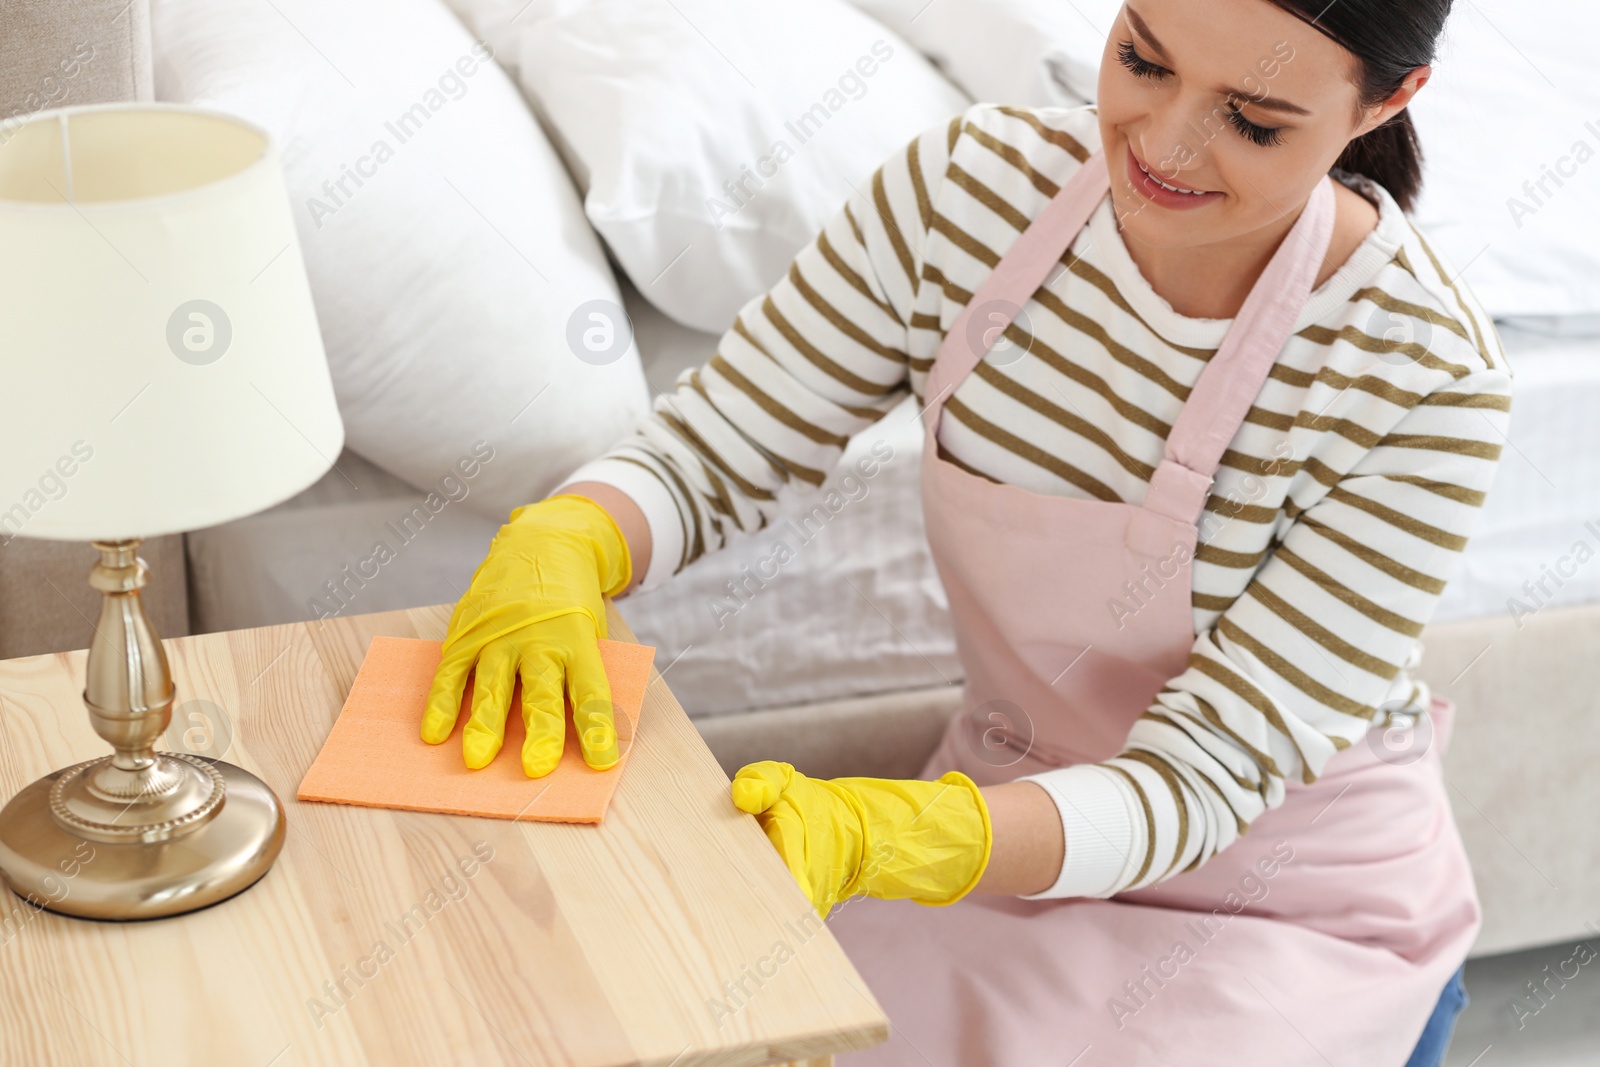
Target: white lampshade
{"type": "Point", "coordinates": [160, 363]}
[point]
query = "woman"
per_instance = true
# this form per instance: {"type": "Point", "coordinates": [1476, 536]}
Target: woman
{"type": "Point", "coordinates": [1207, 432]}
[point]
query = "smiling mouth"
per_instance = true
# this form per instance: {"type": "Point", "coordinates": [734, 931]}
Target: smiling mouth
{"type": "Point", "coordinates": [1166, 185]}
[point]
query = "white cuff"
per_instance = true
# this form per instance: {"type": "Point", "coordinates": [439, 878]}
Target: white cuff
{"type": "Point", "coordinates": [1098, 817]}
{"type": "Point", "coordinates": [660, 509]}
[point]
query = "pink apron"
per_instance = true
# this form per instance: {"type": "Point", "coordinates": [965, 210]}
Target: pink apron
{"type": "Point", "coordinates": [1323, 936]}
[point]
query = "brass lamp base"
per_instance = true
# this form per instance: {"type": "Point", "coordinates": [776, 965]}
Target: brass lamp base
{"type": "Point", "coordinates": [138, 834]}
{"type": "Point", "coordinates": [143, 877]}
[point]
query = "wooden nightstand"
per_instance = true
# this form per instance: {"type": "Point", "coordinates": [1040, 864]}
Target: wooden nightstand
{"type": "Point", "coordinates": [671, 935]}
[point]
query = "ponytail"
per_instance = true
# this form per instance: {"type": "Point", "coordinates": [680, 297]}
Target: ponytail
{"type": "Point", "coordinates": [1391, 156]}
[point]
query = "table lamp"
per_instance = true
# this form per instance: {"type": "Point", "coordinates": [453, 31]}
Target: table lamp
{"type": "Point", "coordinates": [160, 370]}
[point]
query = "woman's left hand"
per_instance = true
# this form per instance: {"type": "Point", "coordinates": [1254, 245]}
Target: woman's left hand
{"type": "Point", "coordinates": [889, 838]}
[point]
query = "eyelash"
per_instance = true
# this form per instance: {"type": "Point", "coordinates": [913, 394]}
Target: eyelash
{"type": "Point", "coordinates": [1265, 136]}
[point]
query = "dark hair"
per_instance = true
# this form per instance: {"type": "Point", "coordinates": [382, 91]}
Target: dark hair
{"type": "Point", "coordinates": [1389, 39]}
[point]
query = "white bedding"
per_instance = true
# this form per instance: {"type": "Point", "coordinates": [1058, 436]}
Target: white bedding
{"type": "Point", "coordinates": [1547, 489]}
{"type": "Point", "coordinates": [859, 610]}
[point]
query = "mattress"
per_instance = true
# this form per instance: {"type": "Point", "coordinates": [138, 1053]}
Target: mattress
{"type": "Point", "coordinates": [1537, 542]}
{"type": "Point", "coordinates": [859, 609]}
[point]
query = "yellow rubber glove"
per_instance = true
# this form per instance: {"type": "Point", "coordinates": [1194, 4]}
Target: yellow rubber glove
{"type": "Point", "coordinates": [890, 838]}
{"type": "Point", "coordinates": [535, 607]}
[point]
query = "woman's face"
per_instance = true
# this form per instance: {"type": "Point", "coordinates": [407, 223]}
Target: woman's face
{"type": "Point", "coordinates": [1256, 153]}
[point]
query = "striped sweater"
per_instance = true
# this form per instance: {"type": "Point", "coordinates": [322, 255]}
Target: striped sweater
{"type": "Point", "coordinates": [1339, 512]}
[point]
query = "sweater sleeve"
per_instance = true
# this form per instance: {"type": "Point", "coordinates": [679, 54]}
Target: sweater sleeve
{"type": "Point", "coordinates": [817, 358]}
{"type": "Point", "coordinates": [1295, 669]}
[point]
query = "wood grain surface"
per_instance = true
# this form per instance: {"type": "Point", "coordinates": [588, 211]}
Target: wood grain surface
{"type": "Point", "coordinates": [670, 935]}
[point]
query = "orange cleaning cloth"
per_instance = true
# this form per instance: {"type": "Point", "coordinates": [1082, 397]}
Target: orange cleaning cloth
{"type": "Point", "coordinates": [375, 755]}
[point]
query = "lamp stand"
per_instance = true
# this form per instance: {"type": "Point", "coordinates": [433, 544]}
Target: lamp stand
{"type": "Point", "coordinates": [137, 834]}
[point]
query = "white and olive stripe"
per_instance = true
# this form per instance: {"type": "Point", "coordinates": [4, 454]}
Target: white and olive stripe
{"type": "Point", "coordinates": [1338, 514]}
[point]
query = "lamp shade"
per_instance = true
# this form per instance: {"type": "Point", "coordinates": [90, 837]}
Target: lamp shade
{"type": "Point", "coordinates": [161, 368]}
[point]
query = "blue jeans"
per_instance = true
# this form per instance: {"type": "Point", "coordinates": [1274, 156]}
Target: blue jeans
{"type": "Point", "coordinates": [1436, 1035]}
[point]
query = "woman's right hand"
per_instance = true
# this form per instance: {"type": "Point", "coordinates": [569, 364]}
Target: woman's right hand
{"type": "Point", "coordinates": [536, 608]}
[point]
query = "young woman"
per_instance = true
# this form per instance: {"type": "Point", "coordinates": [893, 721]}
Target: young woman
{"type": "Point", "coordinates": [1208, 425]}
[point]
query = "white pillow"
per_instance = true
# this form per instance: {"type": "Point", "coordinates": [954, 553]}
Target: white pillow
{"type": "Point", "coordinates": [447, 250]}
{"type": "Point", "coordinates": [1036, 53]}
{"type": "Point", "coordinates": [1513, 93]}
{"type": "Point", "coordinates": [660, 106]}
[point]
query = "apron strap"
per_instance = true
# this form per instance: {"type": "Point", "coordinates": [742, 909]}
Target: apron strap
{"type": "Point", "coordinates": [1228, 384]}
{"type": "Point", "coordinates": [1021, 270]}
{"type": "Point", "coordinates": [1234, 376]}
